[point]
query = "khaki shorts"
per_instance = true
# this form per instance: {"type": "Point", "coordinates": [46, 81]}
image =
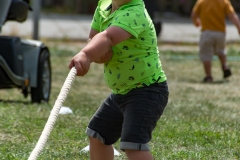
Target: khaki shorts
{"type": "Point", "coordinates": [211, 43]}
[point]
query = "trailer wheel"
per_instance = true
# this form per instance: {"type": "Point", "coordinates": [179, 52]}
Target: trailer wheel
{"type": "Point", "coordinates": [43, 89]}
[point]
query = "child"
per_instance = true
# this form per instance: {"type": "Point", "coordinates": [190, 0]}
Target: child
{"type": "Point", "coordinates": [210, 15]}
{"type": "Point", "coordinates": [123, 37]}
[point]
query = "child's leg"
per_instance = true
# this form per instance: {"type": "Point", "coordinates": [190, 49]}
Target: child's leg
{"type": "Point", "coordinates": [206, 52]}
{"type": "Point", "coordinates": [207, 68]}
{"type": "Point", "coordinates": [223, 61]}
{"type": "Point", "coordinates": [104, 129]}
{"type": "Point", "coordinates": [225, 68]}
{"type": "Point", "coordinates": [139, 155]}
{"type": "Point", "coordinates": [100, 151]}
{"type": "Point", "coordinates": [221, 52]}
{"type": "Point", "coordinates": [141, 109]}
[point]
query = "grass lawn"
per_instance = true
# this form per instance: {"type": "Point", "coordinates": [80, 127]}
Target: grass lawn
{"type": "Point", "coordinates": [201, 121]}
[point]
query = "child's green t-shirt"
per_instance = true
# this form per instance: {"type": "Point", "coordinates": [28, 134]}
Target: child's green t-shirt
{"type": "Point", "coordinates": [135, 62]}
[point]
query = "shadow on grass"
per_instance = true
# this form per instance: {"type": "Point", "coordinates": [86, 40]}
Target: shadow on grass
{"type": "Point", "coordinates": [216, 82]}
{"type": "Point", "coordinates": [16, 101]}
{"type": "Point", "coordinates": [220, 81]}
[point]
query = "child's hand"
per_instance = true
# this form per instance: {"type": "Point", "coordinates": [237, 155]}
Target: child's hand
{"type": "Point", "coordinates": [198, 22]}
{"type": "Point", "coordinates": [81, 62]}
{"type": "Point", "coordinates": [105, 58]}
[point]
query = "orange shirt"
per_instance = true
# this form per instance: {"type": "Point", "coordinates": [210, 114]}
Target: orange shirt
{"type": "Point", "coordinates": [213, 13]}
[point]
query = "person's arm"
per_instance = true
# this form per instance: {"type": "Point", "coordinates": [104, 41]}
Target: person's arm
{"type": "Point", "coordinates": [195, 19]}
{"type": "Point", "coordinates": [107, 56]}
{"type": "Point", "coordinates": [97, 48]}
{"type": "Point", "coordinates": [235, 20]}
{"type": "Point", "coordinates": [92, 33]}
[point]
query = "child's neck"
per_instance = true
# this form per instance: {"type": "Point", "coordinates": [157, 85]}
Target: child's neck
{"type": "Point", "coordinates": [118, 3]}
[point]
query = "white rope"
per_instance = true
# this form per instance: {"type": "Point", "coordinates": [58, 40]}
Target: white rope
{"type": "Point", "coordinates": [53, 116]}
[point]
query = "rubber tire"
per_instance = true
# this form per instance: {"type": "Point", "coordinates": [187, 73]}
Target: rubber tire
{"type": "Point", "coordinates": [43, 89]}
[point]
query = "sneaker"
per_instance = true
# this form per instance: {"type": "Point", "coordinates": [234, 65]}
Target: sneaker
{"type": "Point", "coordinates": [208, 79]}
{"type": "Point", "coordinates": [227, 73]}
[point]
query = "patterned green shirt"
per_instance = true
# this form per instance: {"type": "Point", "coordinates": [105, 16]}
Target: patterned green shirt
{"type": "Point", "coordinates": [135, 62]}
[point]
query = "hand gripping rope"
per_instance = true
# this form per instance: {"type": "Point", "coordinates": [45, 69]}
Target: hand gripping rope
{"type": "Point", "coordinates": [53, 116]}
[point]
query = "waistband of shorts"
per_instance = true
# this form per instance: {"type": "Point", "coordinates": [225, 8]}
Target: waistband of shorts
{"type": "Point", "coordinates": [164, 83]}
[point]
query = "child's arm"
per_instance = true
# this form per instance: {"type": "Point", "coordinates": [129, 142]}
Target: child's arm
{"type": "Point", "coordinates": [235, 20]}
{"type": "Point", "coordinates": [195, 19]}
{"type": "Point", "coordinates": [92, 34]}
{"type": "Point", "coordinates": [107, 56]}
{"type": "Point", "coordinates": [97, 48]}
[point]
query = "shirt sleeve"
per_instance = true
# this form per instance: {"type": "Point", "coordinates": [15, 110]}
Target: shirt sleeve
{"type": "Point", "coordinates": [229, 8]}
{"type": "Point", "coordinates": [197, 7]}
{"type": "Point", "coordinates": [133, 21]}
{"type": "Point", "coordinates": [95, 21]}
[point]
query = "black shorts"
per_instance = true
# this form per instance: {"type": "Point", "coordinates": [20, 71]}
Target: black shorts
{"type": "Point", "coordinates": [131, 117]}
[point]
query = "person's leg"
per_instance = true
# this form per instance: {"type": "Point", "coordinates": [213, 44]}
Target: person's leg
{"type": "Point", "coordinates": [104, 129]}
{"type": "Point", "coordinates": [206, 51]}
{"type": "Point", "coordinates": [207, 68]}
{"type": "Point", "coordinates": [138, 155]}
{"type": "Point", "coordinates": [100, 151]}
{"type": "Point", "coordinates": [225, 68]}
{"type": "Point", "coordinates": [207, 65]}
{"type": "Point", "coordinates": [223, 61]}
{"type": "Point", "coordinates": [141, 109]}
{"type": "Point", "coordinates": [221, 53]}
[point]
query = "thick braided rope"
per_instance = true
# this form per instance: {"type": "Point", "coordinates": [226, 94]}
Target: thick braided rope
{"type": "Point", "coordinates": [53, 116]}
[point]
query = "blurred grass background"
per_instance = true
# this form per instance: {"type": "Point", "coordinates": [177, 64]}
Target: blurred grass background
{"type": "Point", "coordinates": [201, 121]}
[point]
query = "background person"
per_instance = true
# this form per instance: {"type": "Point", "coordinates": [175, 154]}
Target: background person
{"type": "Point", "coordinates": [210, 16]}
